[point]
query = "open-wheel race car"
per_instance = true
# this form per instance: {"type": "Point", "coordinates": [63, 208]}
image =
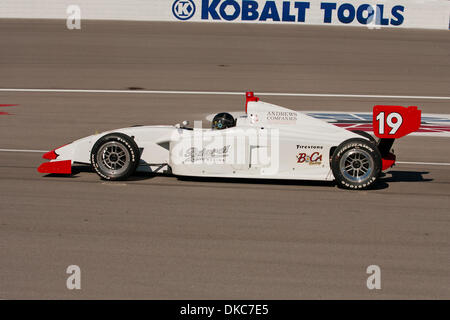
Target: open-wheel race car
{"type": "Point", "coordinates": [268, 142]}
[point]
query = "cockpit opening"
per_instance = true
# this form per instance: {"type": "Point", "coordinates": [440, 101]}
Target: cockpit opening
{"type": "Point", "coordinates": [222, 121]}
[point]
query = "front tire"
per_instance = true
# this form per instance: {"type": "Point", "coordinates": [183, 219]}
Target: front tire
{"type": "Point", "coordinates": [356, 164]}
{"type": "Point", "coordinates": [115, 156]}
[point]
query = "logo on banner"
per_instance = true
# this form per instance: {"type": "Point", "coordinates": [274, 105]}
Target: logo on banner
{"type": "Point", "coordinates": [291, 11]}
{"type": "Point", "coordinates": [183, 9]}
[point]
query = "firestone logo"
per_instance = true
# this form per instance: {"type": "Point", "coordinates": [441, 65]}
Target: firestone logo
{"type": "Point", "coordinates": [183, 9]}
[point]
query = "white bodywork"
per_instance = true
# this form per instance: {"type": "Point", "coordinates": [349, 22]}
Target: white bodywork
{"type": "Point", "coordinates": [270, 142]}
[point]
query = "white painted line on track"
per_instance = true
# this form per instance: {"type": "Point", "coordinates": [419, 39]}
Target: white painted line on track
{"type": "Point", "coordinates": [398, 162]}
{"type": "Point", "coordinates": [23, 150]}
{"type": "Point", "coordinates": [281, 94]}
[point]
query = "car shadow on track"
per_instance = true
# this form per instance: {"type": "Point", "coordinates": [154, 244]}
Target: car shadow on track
{"type": "Point", "coordinates": [399, 176]}
{"type": "Point", "coordinates": [382, 183]}
{"type": "Point", "coordinates": [77, 169]}
{"type": "Point", "coordinates": [260, 181]}
{"type": "Point", "coordinates": [405, 176]}
{"type": "Point", "coordinates": [137, 176]}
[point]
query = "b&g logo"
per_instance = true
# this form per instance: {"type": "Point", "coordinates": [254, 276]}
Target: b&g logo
{"type": "Point", "coordinates": [183, 9]}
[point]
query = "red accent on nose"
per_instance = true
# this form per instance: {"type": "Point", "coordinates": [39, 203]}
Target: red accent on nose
{"type": "Point", "coordinates": [59, 167]}
{"type": "Point", "coordinates": [51, 155]}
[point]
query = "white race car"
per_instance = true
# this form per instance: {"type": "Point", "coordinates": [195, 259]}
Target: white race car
{"type": "Point", "coordinates": [268, 142]}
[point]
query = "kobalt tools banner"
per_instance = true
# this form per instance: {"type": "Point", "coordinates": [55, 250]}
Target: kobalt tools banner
{"type": "Point", "coordinates": [426, 14]}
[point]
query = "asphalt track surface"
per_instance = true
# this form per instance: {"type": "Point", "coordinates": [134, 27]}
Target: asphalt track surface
{"type": "Point", "coordinates": [165, 238]}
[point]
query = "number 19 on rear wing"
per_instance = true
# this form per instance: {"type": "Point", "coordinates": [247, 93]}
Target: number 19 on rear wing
{"type": "Point", "coordinates": [393, 122]}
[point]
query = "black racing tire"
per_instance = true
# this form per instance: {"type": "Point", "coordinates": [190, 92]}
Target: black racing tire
{"type": "Point", "coordinates": [356, 164]}
{"type": "Point", "coordinates": [115, 156]}
{"type": "Point", "coordinates": [366, 135]}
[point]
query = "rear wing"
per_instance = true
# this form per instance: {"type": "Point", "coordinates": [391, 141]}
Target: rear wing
{"type": "Point", "coordinates": [394, 122]}
{"type": "Point", "coordinates": [390, 123]}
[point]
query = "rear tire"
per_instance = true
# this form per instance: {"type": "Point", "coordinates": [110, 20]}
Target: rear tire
{"type": "Point", "coordinates": [115, 156]}
{"type": "Point", "coordinates": [356, 164]}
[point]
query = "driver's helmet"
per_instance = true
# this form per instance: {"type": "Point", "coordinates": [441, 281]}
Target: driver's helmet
{"type": "Point", "coordinates": [222, 121]}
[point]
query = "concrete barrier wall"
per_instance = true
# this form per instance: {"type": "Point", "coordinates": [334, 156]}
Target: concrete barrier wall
{"type": "Point", "coordinates": [424, 14]}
